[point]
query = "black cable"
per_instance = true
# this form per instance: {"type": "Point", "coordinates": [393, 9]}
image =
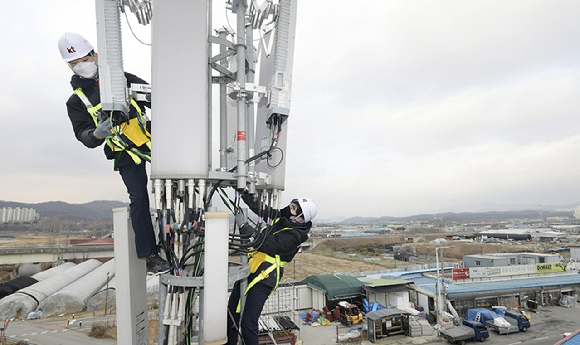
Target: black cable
{"type": "Point", "coordinates": [235, 324]}
{"type": "Point", "coordinates": [270, 156]}
{"type": "Point", "coordinates": [187, 254]}
{"type": "Point", "coordinates": [130, 28]}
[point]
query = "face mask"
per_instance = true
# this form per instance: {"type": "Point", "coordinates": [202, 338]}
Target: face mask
{"type": "Point", "coordinates": [286, 213]}
{"type": "Point", "coordinates": [86, 69]}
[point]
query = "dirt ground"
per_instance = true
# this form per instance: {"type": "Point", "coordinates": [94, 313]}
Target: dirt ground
{"type": "Point", "coordinates": [307, 264]}
{"type": "Point", "coordinates": [30, 238]}
{"type": "Point", "coordinates": [324, 260]}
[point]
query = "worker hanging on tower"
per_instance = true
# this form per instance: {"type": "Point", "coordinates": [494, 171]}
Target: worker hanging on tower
{"type": "Point", "coordinates": [129, 150]}
{"type": "Point", "coordinates": [289, 230]}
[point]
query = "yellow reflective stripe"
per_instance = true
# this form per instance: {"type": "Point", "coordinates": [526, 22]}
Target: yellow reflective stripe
{"type": "Point", "coordinates": [92, 110]}
{"type": "Point", "coordinates": [136, 158]}
{"type": "Point", "coordinates": [79, 92]}
{"type": "Point", "coordinates": [263, 275]}
{"type": "Point", "coordinates": [283, 229]}
{"type": "Point", "coordinates": [134, 103]}
{"type": "Point", "coordinates": [114, 144]}
{"type": "Point", "coordinates": [276, 264]}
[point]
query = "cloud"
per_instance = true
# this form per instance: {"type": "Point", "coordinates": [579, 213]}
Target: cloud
{"type": "Point", "coordinates": [398, 107]}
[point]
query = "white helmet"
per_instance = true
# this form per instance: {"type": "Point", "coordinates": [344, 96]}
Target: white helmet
{"type": "Point", "coordinates": [309, 208]}
{"type": "Point", "coordinates": [73, 46]}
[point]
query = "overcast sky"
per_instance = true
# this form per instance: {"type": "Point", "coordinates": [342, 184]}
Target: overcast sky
{"type": "Point", "coordinates": [398, 107]}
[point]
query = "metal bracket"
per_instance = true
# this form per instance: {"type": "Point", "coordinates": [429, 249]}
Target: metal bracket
{"type": "Point", "coordinates": [236, 271]}
{"type": "Point", "coordinates": [227, 76]}
{"type": "Point", "coordinates": [261, 178]}
{"type": "Point", "coordinates": [252, 91]}
{"type": "Point", "coordinates": [222, 56]}
{"type": "Point", "coordinates": [141, 92]}
{"type": "Point", "coordinates": [221, 41]}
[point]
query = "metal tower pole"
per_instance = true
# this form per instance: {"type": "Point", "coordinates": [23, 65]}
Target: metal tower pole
{"type": "Point", "coordinates": [241, 81]}
{"type": "Point", "coordinates": [250, 107]}
{"type": "Point", "coordinates": [223, 109]}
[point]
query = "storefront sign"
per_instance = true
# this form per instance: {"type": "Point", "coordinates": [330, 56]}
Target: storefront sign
{"type": "Point", "coordinates": [477, 272]}
{"type": "Point", "coordinates": [551, 267]}
{"type": "Point", "coordinates": [510, 270]}
{"type": "Point", "coordinates": [461, 273]}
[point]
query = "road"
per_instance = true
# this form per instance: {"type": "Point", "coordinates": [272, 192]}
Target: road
{"type": "Point", "coordinates": [548, 326]}
{"type": "Point", "coordinates": [55, 332]}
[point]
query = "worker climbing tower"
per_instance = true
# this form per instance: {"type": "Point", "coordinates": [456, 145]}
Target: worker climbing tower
{"type": "Point", "coordinates": [246, 68]}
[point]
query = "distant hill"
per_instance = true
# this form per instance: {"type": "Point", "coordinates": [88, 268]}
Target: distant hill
{"type": "Point", "coordinates": [100, 209]}
{"type": "Point", "coordinates": [491, 207]}
{"type": "Point", "coordinates": [465, 216]}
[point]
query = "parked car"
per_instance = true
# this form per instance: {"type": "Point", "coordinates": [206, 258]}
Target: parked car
{"type": "Point", "coordinates": [470, 330]}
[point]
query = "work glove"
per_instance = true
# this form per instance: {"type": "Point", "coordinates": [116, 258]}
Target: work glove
{"type": "Point", "coordinates": [104, 129]}
{"type": "Point", "coordinates": [101, 116]}
{"type": "Point", "coordinates": [247, 229]}
{"type": "Point", "coordinates": [240, 219]}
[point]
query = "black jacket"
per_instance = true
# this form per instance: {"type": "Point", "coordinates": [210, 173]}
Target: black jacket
{"type": "Point", "coordinates": [285, 243]}
{"type": "Point", "coordinates": [82, 122]}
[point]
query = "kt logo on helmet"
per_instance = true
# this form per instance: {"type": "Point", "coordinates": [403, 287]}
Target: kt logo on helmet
{"type": "Point", "coordinates": [71, 50]}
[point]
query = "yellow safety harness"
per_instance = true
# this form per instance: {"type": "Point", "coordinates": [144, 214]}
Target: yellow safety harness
{"type": "Point", "coordinates": [134, 131]}
{"type": "Point", "coordinates": [256, 260]}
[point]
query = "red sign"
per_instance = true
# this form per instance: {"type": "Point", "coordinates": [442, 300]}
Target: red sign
{"type": "Point", "coordinates": [460, 273]}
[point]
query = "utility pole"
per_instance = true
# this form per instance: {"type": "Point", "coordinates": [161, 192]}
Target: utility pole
{"type": "Point", "coordinates": [59, 236]}
{"type": "Point", "coordinates": [438, 302]}
{"type": "Point", "coordinates": [107, 294]}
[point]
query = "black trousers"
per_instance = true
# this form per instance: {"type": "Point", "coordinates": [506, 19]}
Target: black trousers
{"type": "Point", "coordinates": [255, 300]}
{"type": "Point", "coordinates": [135, 178]}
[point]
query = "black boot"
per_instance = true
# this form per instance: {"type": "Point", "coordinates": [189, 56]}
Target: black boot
{"type": "Point", "coordinates": [156, 265]}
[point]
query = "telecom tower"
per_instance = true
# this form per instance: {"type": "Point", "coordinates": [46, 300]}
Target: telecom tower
{"type": "Point", "coordinates": [254, 92]}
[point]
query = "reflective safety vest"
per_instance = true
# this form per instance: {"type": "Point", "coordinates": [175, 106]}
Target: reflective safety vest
{"type": "Point", "coordinates": [257, 259]}
{"type": "Point", "coordinates": [134, 131]}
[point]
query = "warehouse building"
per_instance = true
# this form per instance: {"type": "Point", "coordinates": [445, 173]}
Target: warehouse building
{"type": "Point", "coordinates": [508, 259]}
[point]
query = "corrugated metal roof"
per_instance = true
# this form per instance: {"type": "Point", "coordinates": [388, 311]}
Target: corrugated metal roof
{"type": "Point", "coordinates": [575, 340]}
{"type": "Point", "coordinates": [385, 282]}
{"type": "Point", "coordinates": [485, 256]}
{"type": "Point", "coordinates": [544, 281]}
{"type": "Point", "coordinates": [411, 273]}
{"type": "Point", "coordinates": [572, 339]}
{"type": "Point", "coordinates": [377, 314]}
{"type": "Point", "coordinates": [335, 286]}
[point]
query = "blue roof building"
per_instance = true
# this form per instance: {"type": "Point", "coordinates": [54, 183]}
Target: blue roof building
{"type": "Point", "coordinates": [513, 293]}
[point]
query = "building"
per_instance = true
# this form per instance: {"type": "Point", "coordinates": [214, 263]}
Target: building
{"type": "Point", "coordinates": [387, 292]}
{"type": "Point", "coordinates": [577, 213]}
{"type": "Point", "coordinates": [508, 259]}
{"type": "Point", "coordinates": [528, 234]}
{"type": "Point", "coordinates": [18, 215]}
